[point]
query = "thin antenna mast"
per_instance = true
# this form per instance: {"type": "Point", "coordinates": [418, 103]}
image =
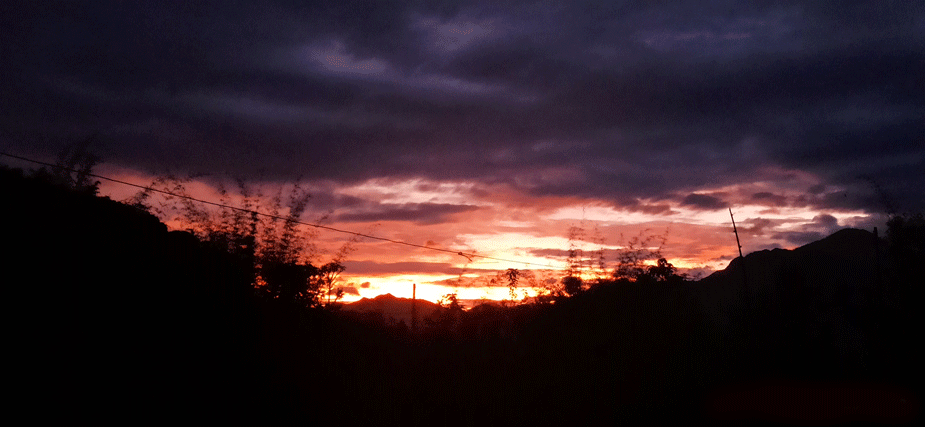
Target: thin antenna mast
{"type": "Point", "coordinates": [414, 309]}
{"type": "Point", "coordinates": [736, 231]}
{"type": "Point", "coordinates": [745, 296]}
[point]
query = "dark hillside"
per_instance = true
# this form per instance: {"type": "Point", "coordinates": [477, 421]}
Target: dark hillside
{"type": "Point", "coordinates": [830, 313]}
{"type": "Point", "coordinates": [103, 300]}
{"type": "Point", "coordinates": [812, 310]}
{"type": "Point", "coordinates": [392, 309]}
{"type": "Point", "coordinates": [815, 324]}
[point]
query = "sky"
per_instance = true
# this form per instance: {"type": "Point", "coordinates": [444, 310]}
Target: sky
{"type": "Point", "coordinates": [492, 127]}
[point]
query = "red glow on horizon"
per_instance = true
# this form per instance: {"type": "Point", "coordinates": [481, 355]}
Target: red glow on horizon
{"type": "Point", "coordinates": [510, 225]}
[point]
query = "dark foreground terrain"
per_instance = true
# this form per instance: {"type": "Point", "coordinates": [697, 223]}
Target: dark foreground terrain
{"type": "Point", "coordinates": [111, 318]}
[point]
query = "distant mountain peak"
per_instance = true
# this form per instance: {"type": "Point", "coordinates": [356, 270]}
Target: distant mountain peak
{"type": "Point", "coordinates": [841, 240]}
{"type": "Point", "coordinates": [393, 307]}
{"type": "Point", "coordinates": [845, 260]}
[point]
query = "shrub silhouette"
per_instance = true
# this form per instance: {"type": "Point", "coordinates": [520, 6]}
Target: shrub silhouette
{"type": "Point", "coordinates": [278, 248]}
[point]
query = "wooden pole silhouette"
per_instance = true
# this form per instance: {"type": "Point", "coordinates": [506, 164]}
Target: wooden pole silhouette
{"type": "Point", "coordinates": [744, 274]}
{"type": "Point", "coordinates": [414, 308]}
{"type": "Point", "coordinates": [746, 314]}
{"type": "Point", "coordinates": [736, 231]}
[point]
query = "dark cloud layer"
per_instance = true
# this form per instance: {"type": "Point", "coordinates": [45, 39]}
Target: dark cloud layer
{"type": "Point", "coordinates": [408, 267]}
{"type": "Point", "coordinates": [769, 199]}
{"type": "Point", "coordinates": [619, 101]}
{"type": "Point", "coordinates": [704, 201]}
{"type": "Point", "coordinates": [550, 253]}
{"type": "Point", "coordinates": [423, 213]}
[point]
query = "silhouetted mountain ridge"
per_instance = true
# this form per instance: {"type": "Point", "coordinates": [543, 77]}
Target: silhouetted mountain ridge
{"type": "Point", "coordinates": [812, 303]}
{"type": "Point", "coordinates": [845, 244]}
{"type": "Point", "coordinates": [393, 309]}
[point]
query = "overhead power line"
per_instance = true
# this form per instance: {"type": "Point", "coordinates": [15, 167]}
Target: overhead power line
{"type": "Point", "coordinates": [466, 255]}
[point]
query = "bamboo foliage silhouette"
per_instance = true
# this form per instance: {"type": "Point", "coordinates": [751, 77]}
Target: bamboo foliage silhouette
{"type": "Point", "coordinates": [280, 251]}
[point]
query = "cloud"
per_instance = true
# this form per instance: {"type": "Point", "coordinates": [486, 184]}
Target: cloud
{"type": "Point", "coordinates": [408, 267]}
{"type": "Point", "coordinates": [769, 199]}
{"type": "Point", "coordinates": [449, 36]}
{"type": "Point", "coordinates": [467, 125]}
{"type": "Point", "coordinates": [659, 209]}
{"type": "Point", "coordinates": [251, 108]}
{"type": "Point", "coordinates": [758, 226]}
{"type": "Point", "coordinates": [550, 253]}
{"type": "Point", "coordinates": [703, 201]}
{"type": "Point", "coordinates": [799, 238]}
{"type": "Point", "coordinates": [611, 102]}
{"type": "Point", "coordinates": [826, 221]}
{"type": "Point", "coordinates": [422, 213]}
{"type": "Point", "coordinates": [335, 59]}
{"type": "Point", "coordinates": [816, 189]}
{"type": "Point", "coordinates": [349, 290]}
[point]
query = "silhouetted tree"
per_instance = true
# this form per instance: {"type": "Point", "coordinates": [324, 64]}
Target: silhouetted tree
{"type": "Point", "coordinates": [906, 237]}
{"type": "Point", "coordinates": [288, 281]}
{"type": "Point", "coordinates": [509, 278]}
{"type": "Point", "coordinates": [632, 257]}
{"type": "Point", "coordinates": [903, 293]}
{"type": "Point", "coordinates": [278, 248]}
{"type": "Point", "coordinates": [328, 275]}
{"type": "Point", "coordinates": [450, 301]}
{"type": "Point", "coordinates": [442, 322]}
{"type": "Point", "coordinates": [76, 164]}
{"type": "Point", "coordinates": [572, 285]}
{"type": "Point", "coordinates": [581, 262]}
{"type": "Point", "coordinates": [73, 168]}
{"type": "Point", "coordinates": [664, 271]}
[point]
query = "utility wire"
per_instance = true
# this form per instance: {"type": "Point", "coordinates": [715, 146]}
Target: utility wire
{"type": "Point", "coordinates": [466, 255]}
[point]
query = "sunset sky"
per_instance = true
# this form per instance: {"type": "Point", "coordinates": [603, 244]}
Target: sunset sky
{"type": "Point", "coordinates": [492, 127]}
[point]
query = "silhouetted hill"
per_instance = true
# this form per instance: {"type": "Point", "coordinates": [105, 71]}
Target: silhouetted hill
{"type": "Point", "coordinates": [845, 250]}
{"type": "Point", "coordinates": [104, 297]}
{"type": "Point", "coordinates": [840, 270]}
{"type": "Point", "coordinates": [806, 325]}
{"type": "Point", "coordinates": [816, 291]}
{"type": "Point", "coordinates": [826, 313]}
{"type": "Point", "coordinates": [393, 309]}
